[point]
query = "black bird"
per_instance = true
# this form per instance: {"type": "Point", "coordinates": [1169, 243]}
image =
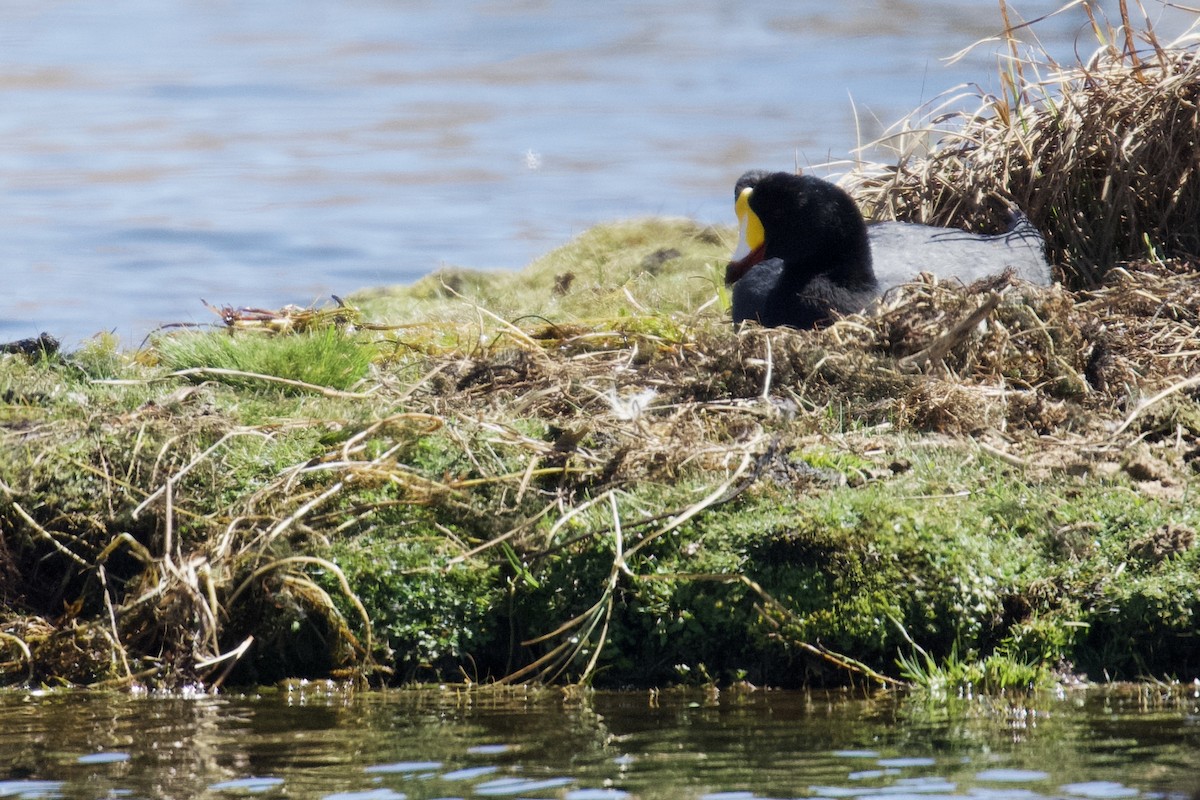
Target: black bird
{"type": "Point", "coordinates": [804, 252]}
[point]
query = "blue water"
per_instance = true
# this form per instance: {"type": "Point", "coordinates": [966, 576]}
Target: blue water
{"type": "Point", "coordinates": [156, 153]}
{"type": "Point", "coordinates": [1114, 743]}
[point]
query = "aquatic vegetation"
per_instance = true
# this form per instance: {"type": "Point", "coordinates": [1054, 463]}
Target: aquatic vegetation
{"type": "Point", "coordinates": [994, 674]}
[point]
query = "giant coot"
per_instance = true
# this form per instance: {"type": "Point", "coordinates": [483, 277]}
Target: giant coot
{"type": "Point", "coordinates": [805, 252]}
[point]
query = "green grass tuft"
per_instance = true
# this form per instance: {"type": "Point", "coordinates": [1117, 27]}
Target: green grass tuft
{"type": "Point", "coordinates": [324, 357]}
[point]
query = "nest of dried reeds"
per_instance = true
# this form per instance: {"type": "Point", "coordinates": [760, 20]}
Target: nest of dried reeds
{"type": "Point", "coordinates": [1102, 156]}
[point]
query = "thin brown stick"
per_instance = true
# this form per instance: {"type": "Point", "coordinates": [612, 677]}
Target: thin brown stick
{"type": "Point", "coordinates": [25, 652]}
{"type": "Point", "coordinates": [837, 659]}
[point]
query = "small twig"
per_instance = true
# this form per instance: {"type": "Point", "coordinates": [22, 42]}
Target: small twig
{"type": "Point", "coordinates": [45, 534]}
{"type": "Point", "coordinates": [112, 619]}
{"type": "Point", "coordinates": [504, 537]}
{"type": "Point", "coordinates": [1006, 457]}
{"type": "Point", "coordinates": [24, 648]}
{"type": "Point", "coordinates": [729, 495]}
{"type": "Point", "coordinates": [526, 478]}
{"type": "Point", "coordinates": [841, 661]}
{"type": "Point", "coordinates": [959, 495]}
{"type": "Point", "coordinates": [432, 423]}
{"type": "Point", "coordinates": [300, 512]}
{"type": "Point", "coordinates": [552, 664]}
{"type": "Point", "coordinates": [837, 659]}
{"type": "Point", "coordinates": [169, 525]}
{"type": "Point", "coordinates": [555, 661]}
{"type": "Point", "coordinates": [633, 301]}
{"type": "Point", "coordinates": [424, 379]}
{"type": "Point", "coordinates": [516, 332]}
{"type": "Point", "coordinates": [765, 395]}
{"type": "Point", "coordinates": [321, 562]}
{"type": "Point", "coordinates": [619, 567]}
{"type": "Point", "coordinates": [233, 656]}
{"type": "Point", "coordinates": [114, 683]}
{"type": "Point", "coordinates": [237, 373]}
{"type": "Point", "coordinates": [192, 464]}
{"type": "Point", "coordinates": [712, 498]}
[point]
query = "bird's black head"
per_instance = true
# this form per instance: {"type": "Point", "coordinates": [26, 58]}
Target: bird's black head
{"type": "Point", "coordinates": [748, 181]}
{"type": "Point", "coordinates": [811, 225]}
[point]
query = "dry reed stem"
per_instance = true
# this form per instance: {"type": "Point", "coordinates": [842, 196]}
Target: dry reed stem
{"type": "Point", "coordinates": [333, 568]}
{"type": "Point", "coordinates": [839, 660]}
{"type": "Point", "coordinates": [1146, 404]}
{"type": "Point", "coordinates": [576, 633]}
{"type": "Point", "coordinates": [20, 644]}
{"type": "Point", "coordinates": [45, 534]}
{"type": "Point", "coordinates": [196, 461]}
{"type": "Point", "coordinates": [1014, 344]}
{"type": "Point", "coordinates": [956, 334]}
{"type": "Point", "coordinates": [112, 620]}
{"type": "Point", "coordinates": [325, 391]}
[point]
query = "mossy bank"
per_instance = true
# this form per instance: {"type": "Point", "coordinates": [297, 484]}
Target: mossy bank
{"type": "Point", "coordinates": [582, 472]}
{"type": "Point", "coordinates": [644, 499]}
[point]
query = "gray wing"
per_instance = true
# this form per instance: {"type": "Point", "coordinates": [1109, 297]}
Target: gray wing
{"type": "Point", "coordinates": [901, 250]}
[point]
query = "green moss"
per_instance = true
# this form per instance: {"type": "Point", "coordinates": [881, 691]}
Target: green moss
{"type": "Point", "coordinates": [630, 537]}
{"type": "Point", "coordinates": [1145, 625]}
{"type": "Point", "coordinates": [640, 270]}
{"type": "Point", "coordinates": [430, 614]}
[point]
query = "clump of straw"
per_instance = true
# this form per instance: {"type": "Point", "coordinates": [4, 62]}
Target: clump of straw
{"type": "Point", "coordinates": [1101, 155]}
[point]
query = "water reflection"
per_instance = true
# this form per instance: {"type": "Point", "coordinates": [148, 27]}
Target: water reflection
{"type": "Point", "coordinates": [432, 744]}
{"type": "Point", "coordinates": [157, 153]}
